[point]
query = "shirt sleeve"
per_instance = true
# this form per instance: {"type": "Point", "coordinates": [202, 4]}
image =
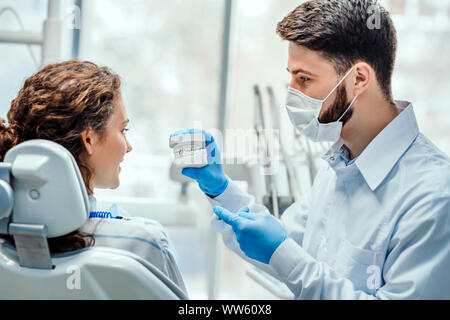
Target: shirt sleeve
{"type": "Point", "coordinates": [416, 266]}
{"type": "Point", "coordinates": [232, 198]}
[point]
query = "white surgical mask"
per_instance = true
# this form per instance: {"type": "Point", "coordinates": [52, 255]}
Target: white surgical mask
{"type": "Point", "coordinates": [304, 113]}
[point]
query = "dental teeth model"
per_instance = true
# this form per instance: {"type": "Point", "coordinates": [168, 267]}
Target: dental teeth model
{"type": "Point", "coordinates": [189, 150]}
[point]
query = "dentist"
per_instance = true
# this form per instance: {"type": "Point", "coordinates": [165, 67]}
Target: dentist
{"type": "Point", "coordinates": [376, 224]}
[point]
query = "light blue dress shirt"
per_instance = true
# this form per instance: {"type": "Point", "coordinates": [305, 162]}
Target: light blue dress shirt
{"type": "Point", "coordinates": [374, 228]}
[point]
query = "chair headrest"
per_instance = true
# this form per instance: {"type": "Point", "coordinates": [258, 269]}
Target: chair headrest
{"type": "Point", "coordinates": [48, 187]}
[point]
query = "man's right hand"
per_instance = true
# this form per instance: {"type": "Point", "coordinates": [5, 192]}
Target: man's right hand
{"type": "Point", "coordinates": [211, 178]}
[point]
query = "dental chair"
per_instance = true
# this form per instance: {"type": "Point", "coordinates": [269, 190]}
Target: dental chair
{"type": "Point", "coordinates": [42, 195]}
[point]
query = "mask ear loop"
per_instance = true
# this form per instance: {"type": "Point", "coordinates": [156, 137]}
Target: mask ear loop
{"type": "Point", "coordinates": [353, 101]}
{"type": "Point", "coordinates": [339, 83]}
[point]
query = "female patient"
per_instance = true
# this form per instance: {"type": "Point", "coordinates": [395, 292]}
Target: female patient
{"type": "Point", "coordinates": [79, 105]}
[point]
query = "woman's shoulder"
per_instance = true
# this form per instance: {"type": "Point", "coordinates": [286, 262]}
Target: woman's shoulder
{"type": "Point", "coordinates": [116, 221]}
{"type": "Point", "coordinates": [126, 227]}
{"type": "Point", "coordinates": [143, 236]}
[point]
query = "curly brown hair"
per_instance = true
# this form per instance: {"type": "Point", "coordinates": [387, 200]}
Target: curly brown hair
{"type": "Point", "coordinates": [58, 103]}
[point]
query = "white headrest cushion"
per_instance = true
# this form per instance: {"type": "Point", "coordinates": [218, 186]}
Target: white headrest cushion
{"type": "Point", "coordinates": [48, 187]}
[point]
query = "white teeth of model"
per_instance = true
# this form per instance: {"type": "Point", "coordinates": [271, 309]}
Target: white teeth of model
{"type": "Point", "coordinates": [189, 150]}
{"type": "Point", "coordinates": [187, 139]}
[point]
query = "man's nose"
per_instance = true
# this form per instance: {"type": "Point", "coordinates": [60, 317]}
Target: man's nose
{"type": "Point", "coordinates": [293, 84]}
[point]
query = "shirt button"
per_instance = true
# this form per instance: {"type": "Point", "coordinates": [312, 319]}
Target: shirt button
{"type": "Point", "coordinates": [332, 158]}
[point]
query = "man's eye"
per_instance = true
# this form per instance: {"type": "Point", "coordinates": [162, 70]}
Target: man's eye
{"type": "Point", "coordinates": [304, 79]}
{"type": "Point", "coordinates": [125, 130]}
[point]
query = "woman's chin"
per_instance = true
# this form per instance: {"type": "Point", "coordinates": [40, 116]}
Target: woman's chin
{"type": "Point", "coordinates": [111, 186]}
{"type": "Point", "coordinates": [116, 185]}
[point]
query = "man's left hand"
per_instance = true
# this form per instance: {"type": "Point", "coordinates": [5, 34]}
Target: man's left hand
{"type": "Point", "coordinates": [258, 234]}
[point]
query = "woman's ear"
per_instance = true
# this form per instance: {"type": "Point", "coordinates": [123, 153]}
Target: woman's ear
{"type": "Point", "coordinates": [87, 136]}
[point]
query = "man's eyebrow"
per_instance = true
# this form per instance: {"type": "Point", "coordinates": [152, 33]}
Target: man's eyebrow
{"type": "Point", "coordinates": [298, 70]}
{"type": "Point", "coordinates": [126, 121]}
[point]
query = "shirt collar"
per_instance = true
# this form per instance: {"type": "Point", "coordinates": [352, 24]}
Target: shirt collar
{"type": "Point", "coordinates": [383, 152]}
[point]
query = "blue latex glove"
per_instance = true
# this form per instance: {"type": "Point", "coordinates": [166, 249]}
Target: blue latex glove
{"type": "Point", "coordinates": [258, 235]}
{"type": "Point", "coordinates": [211, 179]}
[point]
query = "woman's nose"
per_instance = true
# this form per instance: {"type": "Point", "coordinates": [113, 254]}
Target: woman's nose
{"type": "Point", "coordinates": [129, 147]}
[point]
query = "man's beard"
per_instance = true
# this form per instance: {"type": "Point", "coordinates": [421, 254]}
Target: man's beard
{"type": "Point", "coordinates": [337, 109]}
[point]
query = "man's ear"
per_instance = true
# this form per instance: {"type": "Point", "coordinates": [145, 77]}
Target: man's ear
{"type": "Point", "coordinates": [363, 76]}
{"type": "Point", "coordinates": [88, 139]}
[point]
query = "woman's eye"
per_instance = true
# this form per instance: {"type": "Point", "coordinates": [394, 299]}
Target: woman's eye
{"type": "Point", "coordinates": [124, 131]}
